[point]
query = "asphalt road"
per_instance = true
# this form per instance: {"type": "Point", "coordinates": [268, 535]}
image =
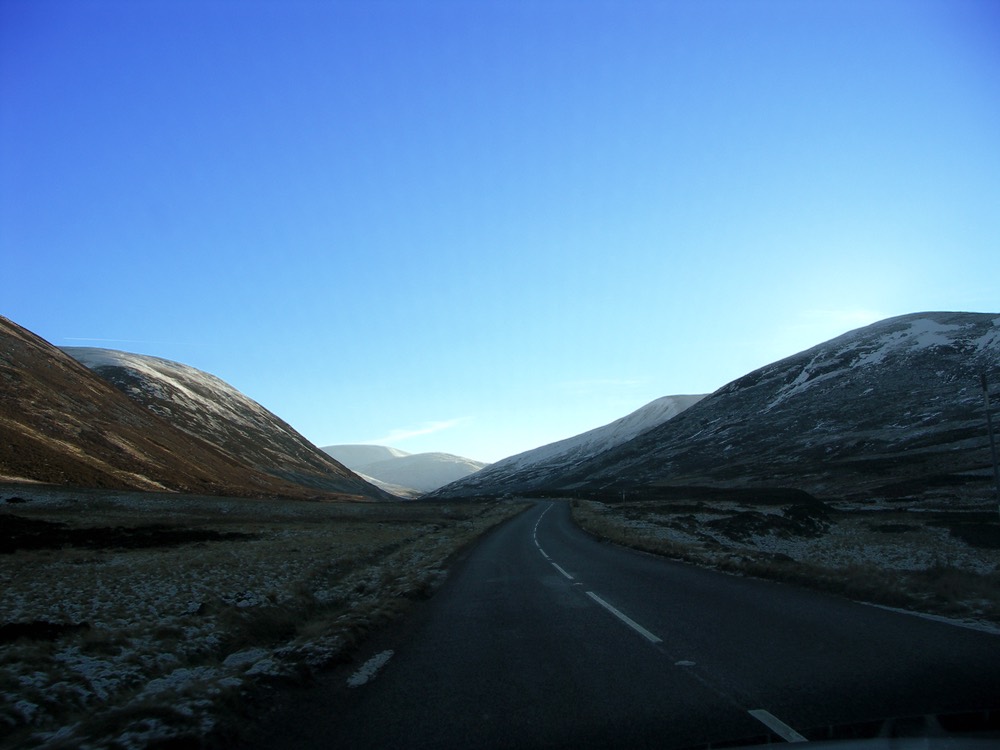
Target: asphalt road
{"type": "Point", "coordinates": [546, 637]}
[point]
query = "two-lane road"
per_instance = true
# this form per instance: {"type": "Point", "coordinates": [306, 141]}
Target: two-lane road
{"type": "Point", "coordinates": [545, 637]}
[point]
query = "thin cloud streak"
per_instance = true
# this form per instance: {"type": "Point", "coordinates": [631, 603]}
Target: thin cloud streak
{"type": "Point", "coordinates": [428, 428]}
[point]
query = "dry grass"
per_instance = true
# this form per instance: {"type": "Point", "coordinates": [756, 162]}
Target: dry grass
{"type": "Point", "coordinates": [896, 558]}
{"type": "Point", "coordinates": [169, 640]}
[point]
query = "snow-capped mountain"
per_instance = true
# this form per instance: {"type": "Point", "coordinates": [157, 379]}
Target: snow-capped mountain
{"type": "Point", "coordinates": [535, 467]}
{"type": "Point", "coordinates": [402, 473]}
{"type": "Point", "coordinates": [208, 408]}
{"type": "Point", "coordinates": [355, 456]}
{"type": "Point", "coordinates": [891, 410]}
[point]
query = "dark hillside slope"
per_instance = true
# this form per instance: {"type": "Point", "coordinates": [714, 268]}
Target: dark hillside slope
{"type": "Point", "coordinates": [891, 410]}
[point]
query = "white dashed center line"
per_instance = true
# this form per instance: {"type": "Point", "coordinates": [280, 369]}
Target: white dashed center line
{"type": "Point", "coordinates": [620, 615]}
{"type": "Point", "coordinates": [554, 565]}
{"type": "Point", "coordinates": [626, 619]}
{"type": "Point", "coordinates": [776, 725]}
{"type": "Point", "coordinates": [369, 669]}
{"type": "Point", "coordinates": [769, 720]}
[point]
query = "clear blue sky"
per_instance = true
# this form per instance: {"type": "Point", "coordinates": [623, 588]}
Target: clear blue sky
{"type": "Point", "coordinates": [479, 227]}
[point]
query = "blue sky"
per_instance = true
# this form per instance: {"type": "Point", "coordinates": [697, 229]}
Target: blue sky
{"type": "Point", "coordinates": [479, 227]}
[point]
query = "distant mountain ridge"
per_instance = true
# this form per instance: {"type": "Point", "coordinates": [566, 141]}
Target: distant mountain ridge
{"type": "Point", "coordinates": [891, 410]}
{"type": "Point", "coordinates": [534, 468]}
{"type": "Point", "coordinates": [887, 411]}
{"type": "Point", "coordinates": [207, 407]}
{"type": "Point", "coordinates": [362, 454]}
{"type": "Point", "coordinates": [62, 423]}
{"type": "Point", "coordinates": [405, 474]}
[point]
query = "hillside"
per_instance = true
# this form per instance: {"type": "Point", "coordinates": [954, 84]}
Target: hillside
{"type": "Point", "coordinates": [208, 408]}
{"type": "Point", "coordinates": [60, 423]}
{"type": "Point", "coordinates": [361, 454]}
{"type": "Point", "coordinates": [540, 466]}
{"type": "Point", "coordinates": [893, 410]}
{"type": "Point", "coordinates": [405, 474]}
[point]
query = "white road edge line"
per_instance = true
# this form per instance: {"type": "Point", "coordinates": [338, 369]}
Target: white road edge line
{"type": "Point", "coordinates": [554, 565]}
{"type": "Point", "coordinates": [626, 619]}
{"type": "Point", "coordinates": [978, 625]}
{"type": "Point", "coordinates": [776, 725]}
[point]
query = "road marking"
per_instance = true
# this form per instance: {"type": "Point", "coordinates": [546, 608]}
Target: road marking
{"type": "Point", "coordinates": [534, 537]}
{"type": "Point", "coordinates": [369, 669]}
{"type": "Point", "coordinates": [554, 565]}
{"type": "Point", "coordinates": [776, 725]}
{"type": "Point", "coordinates": [626, 619]}
{"type": "Point", "coordinates": [981, 626]}
{"type": "Point", "coordinates": [684, 663]}
{"type": "Point", "coordinates": [534, 531]}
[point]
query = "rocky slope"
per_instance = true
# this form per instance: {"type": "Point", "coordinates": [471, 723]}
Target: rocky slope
{"type": "Point", "coordinates": [208, 408]}
{"type": "Point", "coordinates": [405, 474]}
{"type": "Point", "coordinates": [539, 467]}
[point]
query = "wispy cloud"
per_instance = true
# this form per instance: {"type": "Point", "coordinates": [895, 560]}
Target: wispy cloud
{"type": "Point", "coordinates": [427, 428]}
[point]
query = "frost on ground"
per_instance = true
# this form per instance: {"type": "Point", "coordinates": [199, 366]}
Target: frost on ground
{"type": "Point", "coordinates": [941, 559]}
{"type": "Point", "coordinates": [145, 618]}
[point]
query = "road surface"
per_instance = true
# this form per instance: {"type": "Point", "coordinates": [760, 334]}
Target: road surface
{"type": "Point", "coordinates": [546, 637]}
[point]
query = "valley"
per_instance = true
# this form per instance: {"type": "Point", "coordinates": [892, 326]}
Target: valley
{"type": "Point", "coordinates": [403, 474]}
{"type": "Point", "coordinates": [174, 557]}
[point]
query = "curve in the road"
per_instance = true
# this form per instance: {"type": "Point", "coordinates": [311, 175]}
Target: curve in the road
{"type": "Point", "coordinates": [546, 637]}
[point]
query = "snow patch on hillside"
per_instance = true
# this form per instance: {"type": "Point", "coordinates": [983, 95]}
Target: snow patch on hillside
{"type": "Point", "coordinates": [189, 388]}
{"type": "Point", "coordinates": [579, 448]}
{"type": "Point", "coordinates": [404, 474]}
{"type": "Point", "coordinates": [362, 454]}
{"type": "Point", "coordinates": [865, 352]}
{"type": "Point", "coordinates": [601, 438]}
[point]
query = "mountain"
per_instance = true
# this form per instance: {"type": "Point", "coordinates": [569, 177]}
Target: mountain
{"type": "Point", "coordinates": [61, 423]}
{"type": "Point", "coordinates": [210, 409]}
{"type": "Point", "coordinates": [405, 474]}
{"type": "Point", "coordinates": [540, 466]}
{"type": "Point", "coordinates": [361, 455]}
{"type": "Point", "coordinates": [892, 410]}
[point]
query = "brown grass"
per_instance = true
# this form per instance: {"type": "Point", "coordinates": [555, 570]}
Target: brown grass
{"type": "Point", "coordinates": [173, 638]}
{"type": "Point", "coordinates": [941, 589]}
